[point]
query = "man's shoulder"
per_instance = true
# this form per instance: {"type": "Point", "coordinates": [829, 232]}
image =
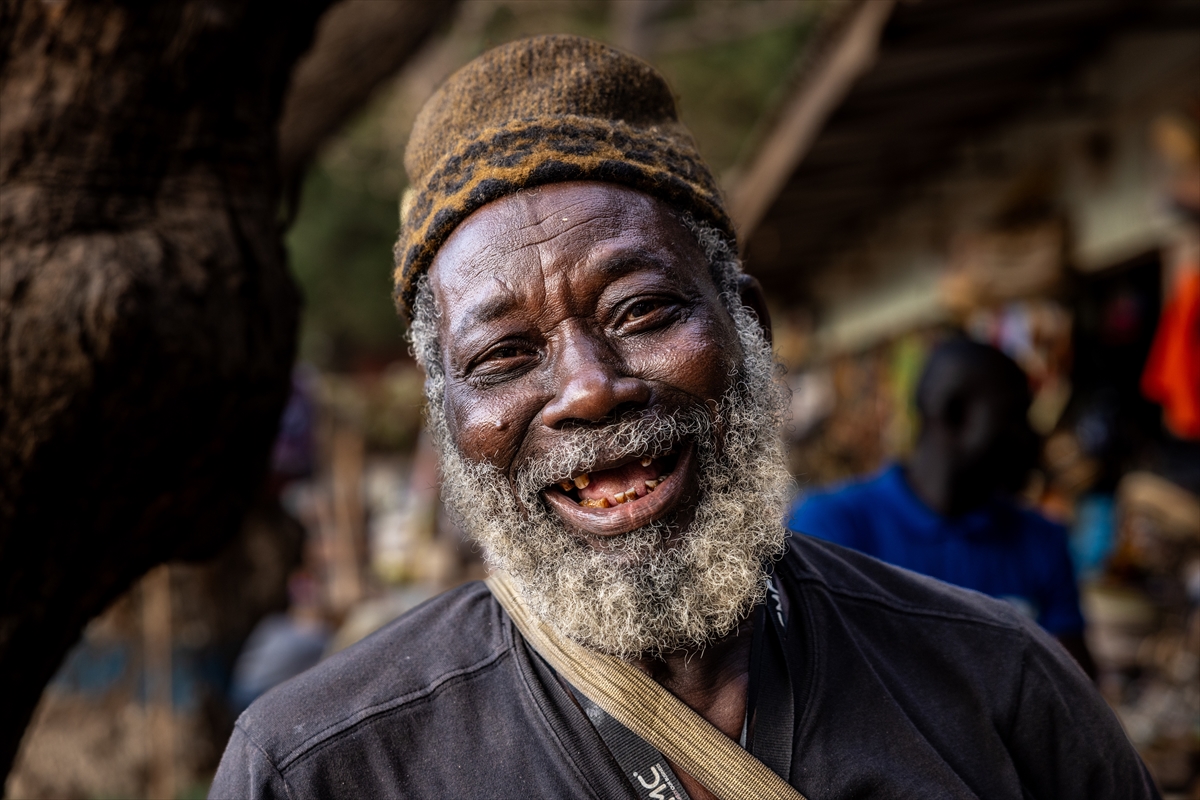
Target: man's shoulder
{"type": "Point", "coordinates": [853, 579]}
{"type": "Point", "coordinates": [452, 637]}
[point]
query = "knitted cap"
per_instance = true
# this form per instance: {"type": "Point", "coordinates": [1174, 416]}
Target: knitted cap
{"type": "Point", "coordinates": [537, 111]}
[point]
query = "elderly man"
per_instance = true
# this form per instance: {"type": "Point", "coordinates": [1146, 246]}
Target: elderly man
{"type": "Point", "coordinates": [600, 385]}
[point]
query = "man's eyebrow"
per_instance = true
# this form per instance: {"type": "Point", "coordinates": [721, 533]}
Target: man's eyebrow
{"type": "Point", "coordinates": [623, 263]}
{"type": "Point", "coordinates": [490, 308]}
{"type": "Point", "coordinates": [496, 305]}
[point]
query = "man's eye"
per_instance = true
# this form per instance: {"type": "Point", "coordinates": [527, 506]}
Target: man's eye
{"type": "Point", "coordinates": [643, 308]}
{"type": "Point", "coordinates": [502, 353]}
{"type": "Point", "coordinates": [503, 361]}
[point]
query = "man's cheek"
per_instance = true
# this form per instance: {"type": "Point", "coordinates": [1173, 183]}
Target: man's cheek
{"type": "Point", "coordinates": [692, 364]}
{"type": "Point", "coordinates": [483, 432]}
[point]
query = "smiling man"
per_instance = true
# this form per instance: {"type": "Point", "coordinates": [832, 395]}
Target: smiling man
{"type": "Point", "coordinates": [601, 389]}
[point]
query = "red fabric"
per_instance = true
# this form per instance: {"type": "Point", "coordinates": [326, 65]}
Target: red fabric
{"type": "Point", "coordinates": [1172, 374]}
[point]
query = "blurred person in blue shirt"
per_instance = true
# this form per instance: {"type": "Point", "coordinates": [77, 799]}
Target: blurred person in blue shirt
{"type": "Point", "coordinates": [951, 512]}
{"type": "Point", "coordinates": [282, 645]}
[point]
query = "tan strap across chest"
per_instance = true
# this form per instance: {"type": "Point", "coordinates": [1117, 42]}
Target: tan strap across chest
{"type": "Point", "coordinates": [632, 698]}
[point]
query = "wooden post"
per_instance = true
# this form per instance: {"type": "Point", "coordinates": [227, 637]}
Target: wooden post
{"type": "Point", "coordinates": [160, 725]}
{"type": "Point", "coordinates": [346, 548]}
{"type": "Point", "coordinates": [833, 72]}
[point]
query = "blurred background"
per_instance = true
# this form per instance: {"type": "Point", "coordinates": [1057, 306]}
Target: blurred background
{"type": "Point", "coordinates": [1025, 172]}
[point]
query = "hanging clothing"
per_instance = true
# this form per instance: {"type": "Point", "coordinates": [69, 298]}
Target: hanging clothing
{"type": "Point", "coordinates": [1172, 374]}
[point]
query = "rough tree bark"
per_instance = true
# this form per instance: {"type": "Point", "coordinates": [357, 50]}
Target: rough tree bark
{"type": "Point", "coordinates": [147, 318]}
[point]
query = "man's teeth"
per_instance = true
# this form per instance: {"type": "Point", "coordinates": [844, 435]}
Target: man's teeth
{"type": "Point", "coordinates": [583, 480]}
{"type": "Point", "coordinates": [622, 497]}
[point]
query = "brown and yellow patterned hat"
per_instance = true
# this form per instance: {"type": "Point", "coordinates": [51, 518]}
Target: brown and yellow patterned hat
{"type": "Point", "coordinates": [537, 111]}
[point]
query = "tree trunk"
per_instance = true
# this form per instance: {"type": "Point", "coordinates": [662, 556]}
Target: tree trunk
{"type": "Point", "coordinates": [147, 319]}
{"type": "Point", "coordinates": [360, 44]}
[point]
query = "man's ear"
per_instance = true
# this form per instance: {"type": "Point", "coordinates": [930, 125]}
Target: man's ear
{"type": "Point", "coordinates": [751, 293]}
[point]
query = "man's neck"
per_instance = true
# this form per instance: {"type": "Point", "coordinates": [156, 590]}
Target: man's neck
{"type": "Point", "coordinates": [937, 483]}
{"type": "Point", "coordinates": [712, 682]}
{"type": "Point", "coordinates": [926, 476]}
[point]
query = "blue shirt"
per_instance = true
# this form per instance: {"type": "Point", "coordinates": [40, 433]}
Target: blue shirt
{"type": "Point", "coordinates": [1001, 550]}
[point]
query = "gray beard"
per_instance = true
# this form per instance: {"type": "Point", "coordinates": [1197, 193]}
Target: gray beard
{"type": "Point", "coordinates": [640, 596]}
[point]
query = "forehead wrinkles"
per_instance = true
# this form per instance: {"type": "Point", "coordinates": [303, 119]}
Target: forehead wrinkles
{"type": "Point", "coordinates": [544, 214]}
{"type": "Point", "coordinates": [542, 217]}
{"type": "Point", "coordinates": [529, 258]}
{"type": "Point", "coordinates": [521, 222]}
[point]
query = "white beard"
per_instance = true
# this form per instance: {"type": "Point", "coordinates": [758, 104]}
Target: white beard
{"type": "Point", "coordinates": [639, 597]}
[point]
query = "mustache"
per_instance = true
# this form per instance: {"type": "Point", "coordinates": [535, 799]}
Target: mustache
{"type": "Point", "coordinates": [576, 449]}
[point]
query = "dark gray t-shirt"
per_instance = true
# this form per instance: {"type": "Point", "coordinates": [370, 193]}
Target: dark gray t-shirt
{"type": "Point", "coordinates": [905, 687]}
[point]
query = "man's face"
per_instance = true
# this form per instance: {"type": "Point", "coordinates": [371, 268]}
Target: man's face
{"type": "Point", "coordinates": [982, 431]}
{"type": "Point", "coordinates": [569, 307]}
{"type": "Point", "coordinates": [607, 425]}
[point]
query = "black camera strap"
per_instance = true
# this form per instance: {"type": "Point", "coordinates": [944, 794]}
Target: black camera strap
{"type": "Point", "coordinates": [768, 726]}
{"type": "Point", "coordinates": [648, 772]}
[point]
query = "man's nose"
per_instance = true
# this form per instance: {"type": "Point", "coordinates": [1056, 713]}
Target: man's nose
{"type": "Point", "coordinates": [590, 384]}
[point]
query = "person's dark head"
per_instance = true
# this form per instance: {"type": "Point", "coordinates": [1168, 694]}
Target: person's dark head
{"type": "Point", "coordinates": [973, 402]}
{"type": "Point", "coordinates": [598, 373]}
